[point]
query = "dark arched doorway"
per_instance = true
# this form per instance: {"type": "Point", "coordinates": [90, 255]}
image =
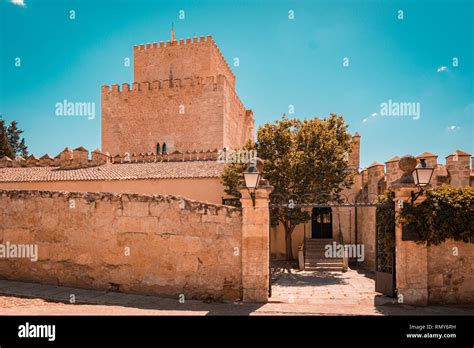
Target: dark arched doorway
{"type": "Point", "coordinates": [321, 223]}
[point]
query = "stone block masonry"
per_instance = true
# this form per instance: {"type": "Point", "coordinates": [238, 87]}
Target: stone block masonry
{"type": "Point", "coordinates": [147, 244]}
{"type": "Point", "coordinates": [183, 95]}
{"type": "Point", "coordinates": [181, 59]}
{"type": "Point", "coordinates": [436, 274]}
{"type": "Point", "coordinates": [255, 244]}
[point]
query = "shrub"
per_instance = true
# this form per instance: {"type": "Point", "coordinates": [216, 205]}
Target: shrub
{"type": "Point", "coordinates": [446, 213]}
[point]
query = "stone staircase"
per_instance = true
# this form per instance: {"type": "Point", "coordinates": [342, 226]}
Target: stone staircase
{"type": "Point", "coordinates": [315, 259]}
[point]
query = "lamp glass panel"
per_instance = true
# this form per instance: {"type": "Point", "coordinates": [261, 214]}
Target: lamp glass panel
{"type": "Point", "coordinates": [415, 176]}
{"type": "Point", "coordinates": [251, 179]}
{"type": "Point", "coordinates": [422, 176]}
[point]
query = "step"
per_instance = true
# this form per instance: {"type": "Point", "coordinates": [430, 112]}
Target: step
{"type": "Point", "coordinates": [321, 255]}
{"type": "Point", "coordinates": [323, 241]}
{"type": "Point", "coordinates": [323, 261]}
{"type": "Point", "coordinates": [322, 251]}
{"type": "Point", "coordinates": [324, 264]}
{"type": "Point", "coordinates": [333, 269]}
{"type": "Point", "coordinates": [316, 259]}
{"type": "Point", "coordinates": [309, 240]}
{"type": "Point", "coordinates": [317, 244]}
{"type": "Point", "coordinates": [315, 252]}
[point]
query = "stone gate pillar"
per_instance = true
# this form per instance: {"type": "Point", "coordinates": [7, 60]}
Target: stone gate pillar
{"type": "Point", "coordinates": [255, 244]}
{"type": "Point", "coordinates": [411, 259]}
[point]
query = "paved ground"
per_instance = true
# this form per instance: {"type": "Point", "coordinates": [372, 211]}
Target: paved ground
{"type": "Point", "coordinates": [294, 293]}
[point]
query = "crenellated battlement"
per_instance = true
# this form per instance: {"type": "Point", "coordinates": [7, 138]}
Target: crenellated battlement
{"type": "Point", "coordinates": [458, 171]}
{"type": "Point", "coordinates": [195, 82]}
{"type": "Point", "coordinates": [185, 43]}
{"type": "Point", "coordinates": [180, 42]}
{"type": "Point", "coordinates": [209, 82]}
{"type": "Point", "coordinates": [175, 156]}
{"type": "Point", "coordinates": [79, 158]}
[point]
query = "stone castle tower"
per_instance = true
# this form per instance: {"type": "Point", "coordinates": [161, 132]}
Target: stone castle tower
{"type": "Point", "coordinates": [183, 98]}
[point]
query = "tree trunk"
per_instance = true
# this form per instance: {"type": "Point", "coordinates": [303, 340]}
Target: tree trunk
{"type": "Point", "coordinates": [288, 232]}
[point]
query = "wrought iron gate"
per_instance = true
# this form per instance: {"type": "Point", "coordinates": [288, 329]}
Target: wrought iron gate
{"type": "Point", "coordinates": [385, 281]}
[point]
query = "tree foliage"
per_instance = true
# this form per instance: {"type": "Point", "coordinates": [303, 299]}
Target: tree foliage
{"type": "Point", "coordinates": [5, 148]}
{"type": "Point", "coordinates": [306, 161]}
{"type": "Point", "coordinates": [385, 222]}
{"type": "Point", "coordinates": [11, 142]}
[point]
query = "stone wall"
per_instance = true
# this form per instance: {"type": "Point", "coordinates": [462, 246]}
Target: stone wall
{"type": "Point", "coordinates": [366, 234]}
{"type": "Point", "coordinates": [451, 273]}
{"type": "Point", "coordinates": [147, 244]}
{"type": "Point", "coordinates": [458, 166]}
{"type": "Point", "coordinates": [187, 116]}
{"type": "Point", "coordinates": [238, 122]}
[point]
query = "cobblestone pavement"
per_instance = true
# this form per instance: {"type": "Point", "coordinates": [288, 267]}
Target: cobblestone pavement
{"type": "Point", "coordinates": [293, 293]}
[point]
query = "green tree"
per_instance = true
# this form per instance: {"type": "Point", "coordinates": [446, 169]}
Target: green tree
{"type": "Point", "coordinates": [23, 149]}
{"type": "Point", "coordinates": [16, 142]}
{"type": "Point", "coordinates": [305, 161]}
{"type": "Point", "coordinates": [5, 148]}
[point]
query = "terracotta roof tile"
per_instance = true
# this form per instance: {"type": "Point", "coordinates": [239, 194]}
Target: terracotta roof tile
{"type": "Point", "coordinates": [375, 164]}
{"type": "Point", "coordinates": [426, 155]}
{"type": "Point", "coordinates": [459, 153]}
{"type": "Point", "coordinates": [122, 171]}
{"type": "Point", "coordinates": [393, 159]}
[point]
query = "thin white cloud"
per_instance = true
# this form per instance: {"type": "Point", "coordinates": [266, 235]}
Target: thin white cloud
{"type": "Point", "coordinates": [453, 128]}
{"type": "Point", "coordinates": [368, 118]}
{"type": "Point", "coordinates": [20, 3]}
{"type": "Point", "coordinates": [441, 69]}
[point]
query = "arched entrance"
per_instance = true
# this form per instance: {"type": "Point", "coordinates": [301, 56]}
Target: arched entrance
{"type": "Point", "coordinates": [321, 223]}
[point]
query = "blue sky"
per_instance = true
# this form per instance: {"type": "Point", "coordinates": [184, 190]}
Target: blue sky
{"type": "Point", "coordinates": [282, 62]}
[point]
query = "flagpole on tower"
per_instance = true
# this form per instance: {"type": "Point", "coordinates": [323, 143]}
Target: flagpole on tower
{"type": "Point", "coordinates": [172, 32]}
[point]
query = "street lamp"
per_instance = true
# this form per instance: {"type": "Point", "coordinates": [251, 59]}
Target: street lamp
{"type": "Point", "coordinates": [422, 176]}
{"type": "Point", "coordinates": [252, 178]}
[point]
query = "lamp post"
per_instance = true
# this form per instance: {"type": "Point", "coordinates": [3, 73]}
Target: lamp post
{"type": "Point", "coordinates": [252, 178]}
{"type": "Point", "coordinates": [422, 176]}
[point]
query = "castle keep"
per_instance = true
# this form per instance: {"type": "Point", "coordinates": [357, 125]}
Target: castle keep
{"type": "Point", "coordinates": [183, 98]}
